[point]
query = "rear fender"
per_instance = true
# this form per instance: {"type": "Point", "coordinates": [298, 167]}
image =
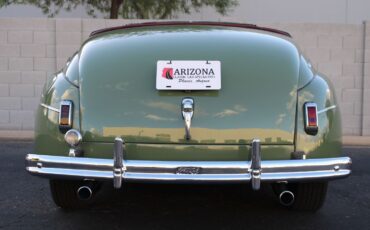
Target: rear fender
{"type": "Point", "coordinates": [327, 142]}
{"type": "Point", "coordinates": [58, 88]}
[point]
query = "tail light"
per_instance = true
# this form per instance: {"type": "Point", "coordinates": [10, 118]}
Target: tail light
{"type": "Point", "coordinates": [65, 115]}
{"type": "Point", "coordinates": [311, 124]}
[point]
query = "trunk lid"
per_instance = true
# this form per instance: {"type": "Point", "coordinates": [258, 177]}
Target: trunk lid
{"type": "Point", "coordinates": [118, 96]}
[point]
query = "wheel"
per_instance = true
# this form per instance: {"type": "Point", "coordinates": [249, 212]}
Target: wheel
{"type": "Point", "coordinates": [64, 193]}
{"type": "Point", "coordinates": [309, 196]}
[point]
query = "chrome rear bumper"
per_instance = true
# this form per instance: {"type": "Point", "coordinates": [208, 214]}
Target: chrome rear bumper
{"type": "Point", "coordinates": [254, 171]}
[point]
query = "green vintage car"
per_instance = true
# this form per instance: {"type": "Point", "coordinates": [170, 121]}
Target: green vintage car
{"type": "Point", "coordinates": [189, 102]}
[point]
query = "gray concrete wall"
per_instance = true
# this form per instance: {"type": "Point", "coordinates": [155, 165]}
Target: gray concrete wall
{"type": "Point", "coordinates": [31, 49]}
{"type": "Point", "coordinates": [251, 11]}
{"type": "Point", "coordinates": [291, 11]}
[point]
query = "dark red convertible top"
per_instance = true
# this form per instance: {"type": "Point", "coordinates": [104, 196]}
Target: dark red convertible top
{"type": "Point", "coordinates": [201, 23]}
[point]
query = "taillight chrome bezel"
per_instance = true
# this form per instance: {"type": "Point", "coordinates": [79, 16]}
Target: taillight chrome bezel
{"type": "Point", "coordinates": [310, 129]}
{"type": "Point", "coordinates": [65, 119]}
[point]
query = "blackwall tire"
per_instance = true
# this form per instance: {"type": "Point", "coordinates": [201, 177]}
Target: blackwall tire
{"type": "Point", "coordinates": [309, 196]}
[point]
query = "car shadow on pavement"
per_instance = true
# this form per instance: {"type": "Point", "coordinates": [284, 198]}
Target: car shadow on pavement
{"type": "Point", "coordinates": [169, 206]}
{"type": "Point", "coordinates": [26, 203]}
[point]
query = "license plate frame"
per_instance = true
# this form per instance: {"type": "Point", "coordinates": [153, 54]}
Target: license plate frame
{"type": "Point", "coordinates": [188, 75]}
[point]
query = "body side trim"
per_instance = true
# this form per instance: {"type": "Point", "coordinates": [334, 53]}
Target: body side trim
{"type": "Point", "coordinates": [50, 107]}
{"type": "Point", "coordinates": [327, 109]}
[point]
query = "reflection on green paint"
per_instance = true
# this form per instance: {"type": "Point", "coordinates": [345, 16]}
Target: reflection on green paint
{"type": "Point", "coordinates": [171, 152]}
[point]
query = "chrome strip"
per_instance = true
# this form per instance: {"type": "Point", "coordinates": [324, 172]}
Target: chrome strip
{"type": "Point", "coordinates": [70, 173]}
{"type": "Point", "coordinates": [326, 109]}
{"type": "Point", "coordinates": [265, 177]}
{"type": "Point", "coordinates": [187, 177]}
{"type": "Point", "coordinates": [300, 176]}
{"type": "Point", "coordinates": [210, 171]}
{"type": "Point", "coordinates": [49, 107]}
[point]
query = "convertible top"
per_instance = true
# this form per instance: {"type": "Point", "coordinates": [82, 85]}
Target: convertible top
{"type": "Point", "coordinates": [201, 23]}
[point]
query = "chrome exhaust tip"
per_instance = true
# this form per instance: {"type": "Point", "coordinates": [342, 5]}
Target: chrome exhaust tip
{"type": "Point", "coordinates": [286, 198]}
{"type": "Point", "coordinates": [84, 192]}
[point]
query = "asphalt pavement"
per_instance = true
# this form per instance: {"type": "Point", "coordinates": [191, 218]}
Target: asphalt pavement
{"type": "Point", "coordinates": [25, 203]}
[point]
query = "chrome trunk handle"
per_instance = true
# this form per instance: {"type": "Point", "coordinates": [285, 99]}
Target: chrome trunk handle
{"type": "Point", "coordinates": [187, 110]}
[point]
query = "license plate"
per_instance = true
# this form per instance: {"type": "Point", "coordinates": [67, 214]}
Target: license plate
{"type": "Point", "coordinates": [188, 75]}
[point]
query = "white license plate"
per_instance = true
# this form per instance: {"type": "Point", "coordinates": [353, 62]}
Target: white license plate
{"type": "Point", "coordinates": [188, 75]}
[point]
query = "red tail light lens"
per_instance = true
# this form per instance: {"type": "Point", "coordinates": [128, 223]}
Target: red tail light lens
{"type": "Point", "coordinates": [311, 119]}
{"type": "Point", "coordinates": [65, 115]}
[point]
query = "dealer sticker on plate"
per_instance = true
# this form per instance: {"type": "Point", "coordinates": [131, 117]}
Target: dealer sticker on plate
{"type": "Point", "coordinates": [188, 75]}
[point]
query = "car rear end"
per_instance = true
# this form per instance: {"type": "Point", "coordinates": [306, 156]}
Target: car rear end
{"type": "Point", "coordinates": [265, 115]}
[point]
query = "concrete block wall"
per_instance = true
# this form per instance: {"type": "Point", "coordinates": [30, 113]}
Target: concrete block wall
{"type": "Point", "coordinates": [31, 49]}
{"type": "Point", "coordinates": [27, 56]}
{"type": "Point", "coordinates": [337, 51]}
